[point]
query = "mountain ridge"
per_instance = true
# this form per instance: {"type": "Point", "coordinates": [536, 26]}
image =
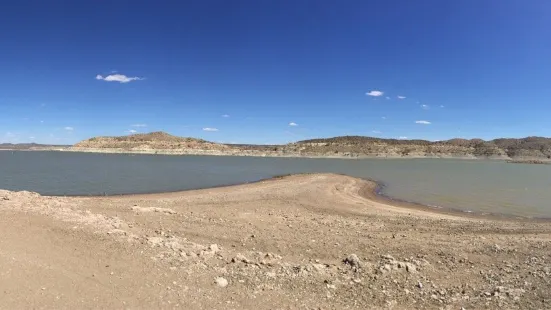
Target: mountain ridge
{"type": "Point", "coordinates": [341, 146]}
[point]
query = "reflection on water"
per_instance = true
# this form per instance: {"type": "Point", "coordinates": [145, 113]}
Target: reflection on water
{"type": "Point", "coordinates": [481, 186]}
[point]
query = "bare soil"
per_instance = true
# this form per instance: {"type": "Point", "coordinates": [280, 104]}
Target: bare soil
{"type": "Point", "coordinates": [317, 241]}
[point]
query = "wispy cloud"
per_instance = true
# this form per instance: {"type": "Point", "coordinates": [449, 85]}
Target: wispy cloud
{"type": "Point", "coordinates": [32, 138]}
{"type": "Point", "coordinates": [210, 129]}
{"type": "Point", "coordinates": [375, 93]}
{"type": "Point", "coordinates": [383, 117]}
{"type": "Point", "coordinates": [402, 137]}
{"type": "Point", "coordinates": [68, 128]}
{"type": "Point", "coordinates": [425, 106]}
{"type": "Point", "coordinates": [225, 115]}
{"type": "Point", "coordinates": [441, 106]}
{"type": "Point", "coordinates": [131, 131]}
{"type": "Point", "coordinates": [376, 131]}
{"type": "Point", "coordinates": [401, 97]}
{"type": "Point", "coordinates": [423, 122]}
{"type": "Point", "coordinates": [293, 124]}
{"type": "Point", "coordinates": [121, 78]}
{"type": "Point", "coordinates": [138, 125]}
{"type": "Point", "coordinates": [387, 98]}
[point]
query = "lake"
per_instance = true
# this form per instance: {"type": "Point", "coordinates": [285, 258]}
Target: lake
{"type": "Point", "coordinates": [468, 185]}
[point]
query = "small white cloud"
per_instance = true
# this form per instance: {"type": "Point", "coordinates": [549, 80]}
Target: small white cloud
{"type": "Point", "coordinates": [41, 122]}
{"type": "Point", "coordinates": [387, 98]}
{"type": "Point", "coordinates": [401, 97]}
{"type": "Point", "coordinates": [139, 125]}
{"type": "Point", "coordinates": [402, 138]}
{"type": "Point", "coordinates": [376, 131]}
{"type": "Point", "coordinates": [375, 93]}
{"type": "Point", "coordinates": [383, 117]}
{"type": "Point", "coordinates": [69, 128]}
{"type": "Point", "coordinates": [441, 106]}
{"type": "Point", "coordinates": [425, 106]}
{"type": "Point", "coordinates": [132, 131]}
{"type": "Point", "coordinates": [121, 78]}
{"type": "Point", "coordinates": [423, 122]}
{"type": "Point", "coordinates": [210, 129]}
{"type": "Point", "coordinates": [225, 115]}
{"type": "Point", "coordinates": [292, 124]}
{"type": "Point", "coordinates": [32, 138]}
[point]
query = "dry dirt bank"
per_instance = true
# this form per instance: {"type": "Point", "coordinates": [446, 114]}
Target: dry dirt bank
{"type": "Point", "coordinates": [299, 242]}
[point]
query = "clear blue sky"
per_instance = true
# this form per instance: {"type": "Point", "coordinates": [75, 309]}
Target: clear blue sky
{"type": "Point", "coordinates": [70, 70]}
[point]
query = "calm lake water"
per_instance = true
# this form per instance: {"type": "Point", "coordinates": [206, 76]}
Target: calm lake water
{"type": "Point", "coordinates": [479, 186]}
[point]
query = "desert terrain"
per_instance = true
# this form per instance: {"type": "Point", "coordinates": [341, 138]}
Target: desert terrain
{"type": "Point", "coordinates": [525, 150]}
{"type": "Point", "coordinates": [319, 241]}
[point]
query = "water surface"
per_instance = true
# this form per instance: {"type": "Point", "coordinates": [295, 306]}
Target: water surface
{"type": "Point", "coordinates": [478, 186]}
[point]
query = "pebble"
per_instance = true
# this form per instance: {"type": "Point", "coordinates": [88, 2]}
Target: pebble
{"type": "Point", "coordinates": [222, 282]}
{"type": "Point", "coordinates": [353, 260]}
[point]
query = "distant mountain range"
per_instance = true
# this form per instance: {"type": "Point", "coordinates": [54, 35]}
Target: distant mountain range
{"type": "Point", "coordinates": [29, 146]}
{"type": "Point", "coordinates": [345, 146]}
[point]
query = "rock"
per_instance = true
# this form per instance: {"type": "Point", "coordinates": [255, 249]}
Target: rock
{"type": "Point", "coordinates": [419, 284]}
{"type": "Point", "coordinates": [222, 282]}
{"type": "Point", "coordinates": [411, 268]}
{"type": "Point", "coordinates": [214, 248]}
{"type": "Point", "coordinates": [353, 260]}
{"type": "Point", "coordinates": [240, 258]}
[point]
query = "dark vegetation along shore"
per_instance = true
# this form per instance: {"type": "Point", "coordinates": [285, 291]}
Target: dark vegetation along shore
{"type": "Point", "coordinates": [530, 149]}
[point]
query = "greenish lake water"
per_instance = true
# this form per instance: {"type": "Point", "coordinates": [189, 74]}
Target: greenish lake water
{"type": "Point", "coordinates": [471, 186]}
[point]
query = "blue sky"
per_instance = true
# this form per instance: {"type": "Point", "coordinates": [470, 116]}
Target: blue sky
{"type": "Point", "coordinates": [248, 70]}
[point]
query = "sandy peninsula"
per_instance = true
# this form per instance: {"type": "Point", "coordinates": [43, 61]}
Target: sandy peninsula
{"type": "Point", "coordinates": [320, 241]}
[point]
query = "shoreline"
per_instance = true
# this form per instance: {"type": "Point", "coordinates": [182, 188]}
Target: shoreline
{"type": "Point", "coordinates": [372, 191]}
{"type": "Point", "coordinates": [258, 154]}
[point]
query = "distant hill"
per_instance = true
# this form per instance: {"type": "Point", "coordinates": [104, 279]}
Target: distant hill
{"type": "Point", "coordinates": [151, 141]}
{"type": "Point", "coordinates": [28, 146]}
{"type": "Point", "coordinates": [532, 148]}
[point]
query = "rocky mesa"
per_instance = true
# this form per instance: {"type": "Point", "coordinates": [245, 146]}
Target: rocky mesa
{"type": "Point", "coordinates": [529, 149]}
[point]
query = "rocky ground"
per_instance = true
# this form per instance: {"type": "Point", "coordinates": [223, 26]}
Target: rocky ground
{"type": "Point", "coordinates": [300, 242]}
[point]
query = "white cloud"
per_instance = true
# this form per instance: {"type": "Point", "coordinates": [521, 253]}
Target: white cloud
{"type": "Point", "coordinates": [225, 116]}
{"type": "Point", "coordinates": [375, 131]}
{"type": "Point", "coordinates": [383, 117]}
{"type": "Point", "coordinates": [387, 98]}
{"type": "Point", "coordinates": [292, 124]}
{"type": "Point", "coordinates": [402, 138]}
{"type": "Point", "coordinates": [210, 129]}
{"type": "Point", "coordinates": [441, 106]}
{"type": "Point", "coordinates": [401, 97]}
{"type": "Point", "coordinates": [425, 107]}
{"type": "Point", "coordinates": [69, 128]}
{"type": "Point", "coordinates": [132, 131]}
{"type": "Point", "coordinates": [42, 122]}
{"type": "Point", "coordinates": [375, 93]}
{"type": "Point", "coordinates": [32, 138]}
{"type": "Point", "coordinates": [121, 78]}
{"type": "Point", "coordinates": [423, 122]}
{"type": "Point", "coordinates": [139, 125]}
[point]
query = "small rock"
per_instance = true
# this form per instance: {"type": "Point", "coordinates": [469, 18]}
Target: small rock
{"type": "Point", "coordinates": [419, 284]}
{"type": "Point", "coordinates": [353, 261]}
{"type": "Point", "coordinates": [222, 282]}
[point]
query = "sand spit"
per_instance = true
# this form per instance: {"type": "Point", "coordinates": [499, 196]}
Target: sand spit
{"type": "Point", "coordinates": [297, 242]}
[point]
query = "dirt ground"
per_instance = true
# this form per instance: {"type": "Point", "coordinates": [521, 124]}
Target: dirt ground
{"type": "Point", "coordinates": [320, 241]}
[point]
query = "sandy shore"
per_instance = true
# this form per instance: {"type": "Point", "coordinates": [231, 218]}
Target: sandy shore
{"type": "Point", "coordinates": [297, 242]}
